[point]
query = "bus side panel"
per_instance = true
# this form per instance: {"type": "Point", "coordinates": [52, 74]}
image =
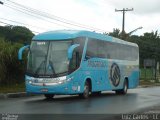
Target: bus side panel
{"type": "Point", "coordinates": [128, 70]}
{"type": "Point", "coordinates": [92, 74]}
{"type": "Point", "coordinates": [98, 71]}
{"type": "Point", "coordinates": [134, 79]}
{"type": "Point", "coordinates": [112, 65]}
{"type": "Point", "coordinates": [101, 76]}
{"type": "Point", "coordinates": [131, 72]}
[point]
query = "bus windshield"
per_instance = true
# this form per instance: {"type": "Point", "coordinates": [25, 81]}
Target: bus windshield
{"type": "Point", "coordinates": [48, 58]}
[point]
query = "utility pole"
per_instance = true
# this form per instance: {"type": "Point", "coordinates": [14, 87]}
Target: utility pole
{"type": "Point", "coordinates": [1, 2]}
{"type": "Point", "coordinates": [123, 21]}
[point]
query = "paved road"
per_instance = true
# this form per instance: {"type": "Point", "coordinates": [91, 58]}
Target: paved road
{"type": "Point", "coordinates": [107, 103]}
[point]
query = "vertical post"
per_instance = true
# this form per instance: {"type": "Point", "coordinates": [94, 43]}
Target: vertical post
{"type": "Point", "coordinates": [157, 71]}
{"type": "Point", "coordinates": [156, 63]}
{"type": "Point", "coordinates": [145, 72]}
{"type": "Point", "coordinates": [123, 21]}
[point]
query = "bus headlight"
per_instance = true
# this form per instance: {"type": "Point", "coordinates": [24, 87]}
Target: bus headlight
{"type": "Point", "coordinates": [69, 79]}
{"type": "Point", "coordinates": [47, 81]}
{"type": "Point", "coordinates": [29, 79]}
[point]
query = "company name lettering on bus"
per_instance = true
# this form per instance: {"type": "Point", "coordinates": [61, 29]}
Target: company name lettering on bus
{"type": "Point", "coordinates": [96, 64]}
{"type": "Point", "coordinates": [41, 43]}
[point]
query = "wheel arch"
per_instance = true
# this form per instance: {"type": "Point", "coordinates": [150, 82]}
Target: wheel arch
{"type": "Point", "coordinates": [89, 80]}
{"type": "Point", "coordinates": [127, 80]}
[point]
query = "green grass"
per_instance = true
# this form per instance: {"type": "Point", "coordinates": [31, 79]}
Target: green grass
{"type": "Point", "coordinates": [12, 88]}
{"type": "Point", "coordinates": [146, 74]}
{"type": "Point", "coordinates": [147, 82]}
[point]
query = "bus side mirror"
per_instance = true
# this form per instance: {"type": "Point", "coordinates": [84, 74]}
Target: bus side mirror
{"type": "Point", "coordinates": [71, 49]}
{"type": "Point", "coordinates": [20, 52]}
{"type": "Point", "coordinates": [87, 58]}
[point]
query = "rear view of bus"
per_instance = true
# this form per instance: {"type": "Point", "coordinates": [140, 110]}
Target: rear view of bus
{"type": "Point", "coordinates": [59, 63]}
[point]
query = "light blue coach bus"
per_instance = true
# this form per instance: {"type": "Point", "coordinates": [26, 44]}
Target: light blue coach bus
{"type": "Point", "coordinates": [80, 62]}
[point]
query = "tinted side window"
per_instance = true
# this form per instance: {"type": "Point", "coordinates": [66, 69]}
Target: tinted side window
{"type": "Point", "coordinates": [92, 48]}
{"type": "Point", "coordinates": [111, 50]}
{"type": "Point", "coordinates": [101, 52]}
{"type": "Point", "coordinates": [122, 52]}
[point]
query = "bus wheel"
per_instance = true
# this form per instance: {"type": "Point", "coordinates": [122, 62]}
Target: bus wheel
{"type": "Point", "coordinates": [85, 93]}
{"type": "Point", "coordinates": [124, 90]}
{"type": "Point", "coordinates": [49, 96]}
{"type": "Point", "coordinates": [96, 93]}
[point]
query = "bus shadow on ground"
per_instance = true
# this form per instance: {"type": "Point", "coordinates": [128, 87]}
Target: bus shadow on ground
{"type": "Point", "coordinates": [76, 98]}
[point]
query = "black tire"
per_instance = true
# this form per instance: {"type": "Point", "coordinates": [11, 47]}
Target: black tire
{"type": "Point", "coordinates": [86, 91]}
{"type": "Point", "coordinates": [96, 93]}
{"type": "Point", "coordinates": [49, 96]}
{"type": "Point", "coordinates": [124, 90]}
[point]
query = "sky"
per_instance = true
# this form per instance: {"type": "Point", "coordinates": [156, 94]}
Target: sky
{"type": "Point", "coordinates": [93, 15]}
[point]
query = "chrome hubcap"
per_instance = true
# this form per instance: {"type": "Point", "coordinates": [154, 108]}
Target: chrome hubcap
{"type": "Point", "coordinates": [125, 87]}
{"type": "Point", "coordinates": [86, 90]}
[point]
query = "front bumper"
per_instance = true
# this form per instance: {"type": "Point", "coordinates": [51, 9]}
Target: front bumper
{"type": "Point", "coordinates": [65, 88]}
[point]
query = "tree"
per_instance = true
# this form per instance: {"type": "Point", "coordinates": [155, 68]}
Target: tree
{"type": "Point", "coordinates": [11, 70]}
{"type": "Point", "coordinates": [116, 33]}
{"type": "Point", "coordinates": [16, 34]}
{"type": "Point", "coordinates": [148, 45]}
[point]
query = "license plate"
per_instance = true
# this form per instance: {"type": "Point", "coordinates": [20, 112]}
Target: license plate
{"type": "Point", "coordinates": [36, 81]}
{"type": "Point", "coordinates": [44, 90]}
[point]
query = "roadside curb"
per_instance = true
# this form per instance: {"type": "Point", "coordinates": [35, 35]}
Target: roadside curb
{"type": "Point", "coordinates": [2, 96]}
{"type": "Point", "coordinates": [145, 86]}
{"type": "Point", "coordinates": [15, 95]}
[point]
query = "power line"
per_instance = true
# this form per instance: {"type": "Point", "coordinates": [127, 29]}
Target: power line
{"type": "Point", "coordinates": [22, 10]}
{"type": "Point", "coordinates": [39, 17]}
{"type": "Point", "coordinates": [34, 11]}
{"type": "Point", "coordinates": [53, 17]}
{"type": "Point", "coordinates": [13, 25]}
{"type": "Point", "coordinates": [22, 23]}
{"type": "Point", "coordinates": [4, 23]}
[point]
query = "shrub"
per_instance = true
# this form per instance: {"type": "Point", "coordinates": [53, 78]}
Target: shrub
{"type": "Point", "coordinates": [11, 70]}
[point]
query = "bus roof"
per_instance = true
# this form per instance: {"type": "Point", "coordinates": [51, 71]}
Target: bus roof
{"type": "Point", "coordinates": [71, 34]}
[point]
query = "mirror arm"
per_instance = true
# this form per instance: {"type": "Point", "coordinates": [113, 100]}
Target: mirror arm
{"type": "Point", "coordinates": [70, 50]}
{"type": "Point", "coordinates": [21, 51]}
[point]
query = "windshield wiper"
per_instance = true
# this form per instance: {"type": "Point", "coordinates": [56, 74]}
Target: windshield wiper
{"type": "Point", "coordinates": [51, 65]}
{"type": "Point", "coordinates": [62, 73]}
{"type": "Point", "coordinates": [37, 70]}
